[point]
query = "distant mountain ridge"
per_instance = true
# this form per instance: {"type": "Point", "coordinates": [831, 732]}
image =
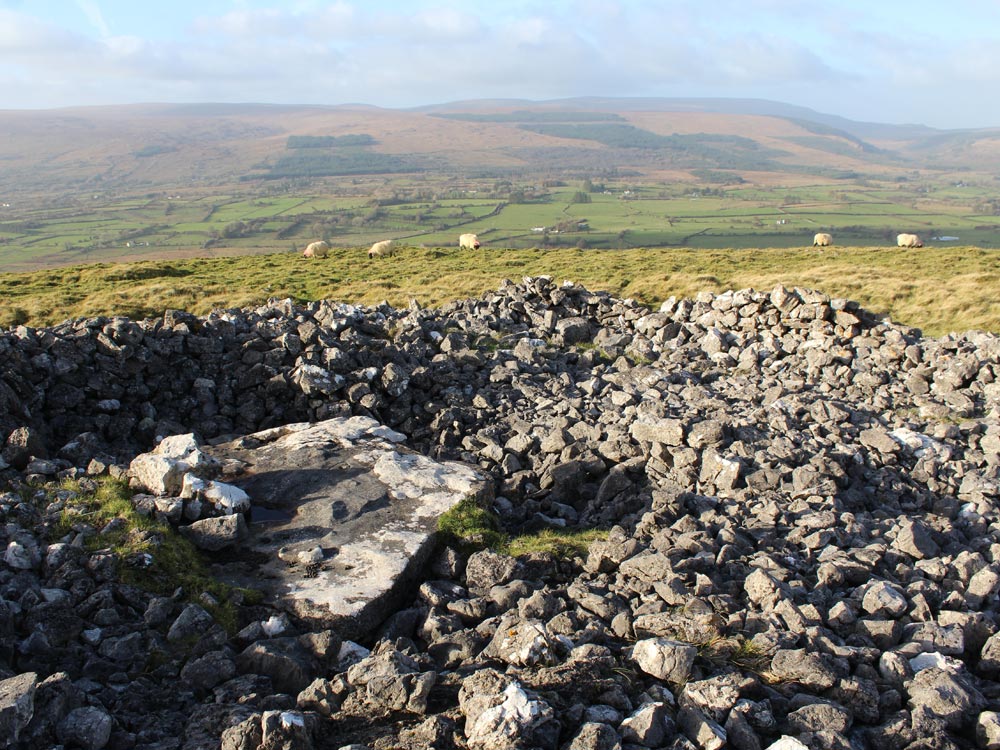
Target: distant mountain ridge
{"type": "Point", "coordinates": [762, 107]}
{"type": "Point", "coordinates": [156, 146]}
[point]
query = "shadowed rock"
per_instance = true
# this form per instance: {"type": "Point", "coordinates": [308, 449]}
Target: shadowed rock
{"type": "Point", "coordinates": [343, 517]}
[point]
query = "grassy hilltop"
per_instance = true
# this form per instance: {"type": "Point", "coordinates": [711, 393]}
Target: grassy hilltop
{"type": "Point", "coordinates": [939, 290]}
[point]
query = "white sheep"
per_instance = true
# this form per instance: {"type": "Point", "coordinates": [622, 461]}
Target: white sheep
{"type": "Point", "coordinates": [908, 240]}
{"type": "Point", "coordinates": [318, 249]}
{"type": "Point", "coordinates": [822, 239]}
{"type": "Point", "coordinates": [382, 249]}
{"type": "Point", "coordinates": [468, 242]}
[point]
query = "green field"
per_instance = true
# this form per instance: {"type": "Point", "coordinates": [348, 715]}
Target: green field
{"type": "Point", "coordinates": [199, 250]}
{"type": "Point", "coordinates": [505, 213]}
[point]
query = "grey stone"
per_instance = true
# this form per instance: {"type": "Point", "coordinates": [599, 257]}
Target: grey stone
{"type": "Point", "coordinates": [486, 569]}
{"type": "Point", "coordinates": [573, 330]}
{"type": "Point", "coordinates": [451, 650]}
{"type": "Point", "coordinates": [392, 681]}
{"type": "Point", "coordinates": [288, 730]}
{"type": "Point", "coordinates": [192, 622]}
{"type": "Point", "coordinates": [322, 696]}
{"type": "Point", "coordinates": [879, 440]}
{"type": "Point", "coordinates": [984, 584]}
{"type": "Point", "coordinates": [762, 588]}
{"type": "Point", "coordinates": [665, 659]}
{"type": "Point", "coordinates": [818, 717]}
{"type": "Point", "coordinates": [499, 721]}
{"type": "Point", "coordinates": [88, 727]}
{"type": "Point", "coordinates": [884, 598]}
{"type": "Point", "coordinates": [360, 509]}
{"type": "Point", "coordinates": [594, 736]}
{"type": "Point", "coordinates": [214, 534]}
{"type": "Point", "coordinates": [209, 670]}
{"type": "Point", "coordinates": [647, 566]}
{"type": "Point", "coordinates": [524, 644]}
{"type": "Point", "coordinates": [21, 444]}
{"type": "Point", "coordinates": [989, 658]}
{"type": "Point", "coordinates": [128, 650]}
{"type": "Point", "coordinates": [708, 432]}
{"type": "Point", "coordinates": [931, 637]}
{"type": "Point", "coordinates": [786, 742]}
{"type": "Point", "coordinates": [664, 431]}
{"type": "Point", "coordinates": [947, 695]}
{"type": "Point", "coordinates": [914, 539]}
{"type": "Point", "coordinates": [289, 665]}
{"type": "Point", "coordinates": [22, 554]}
{"type": "Point", "coordinates": [648, 725]}
{"type": "Point", "coordinates": [17, 704]}
{"type": "Point", "coordinates": [716, 696]}
{"type": "Point", "coordinates": [988, 730]}
{"type": "Point", "coordinates": [701, 730]}
{"type": "Point", "coordinates": [740, 734]}
{"type": "Point", "coordinates": [247, 735]}
{"type": "Point", "coordinates": [798, 665]}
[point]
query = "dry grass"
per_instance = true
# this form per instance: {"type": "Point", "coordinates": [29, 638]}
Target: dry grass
{"type": "Point", "coordinates": [936, 289]}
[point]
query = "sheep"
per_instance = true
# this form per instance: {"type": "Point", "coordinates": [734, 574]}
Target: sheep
{"type": "Point", "coordinates": [908, 240]}
{"type": "Point", "coordinates": [822, 239]}
{"type": "Point", "coordinates": [468, 242]}
{"type": "Point", "coordinates": [318, 249]}
{"type": "Point", "coordinates": [382, 249]}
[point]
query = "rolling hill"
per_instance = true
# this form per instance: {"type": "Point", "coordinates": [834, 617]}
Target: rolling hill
{"type": "Point", "coordinates": [47, 155]}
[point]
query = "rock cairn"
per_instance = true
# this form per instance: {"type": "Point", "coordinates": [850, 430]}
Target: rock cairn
{"type": "Point", "coordinates": [801, 498]}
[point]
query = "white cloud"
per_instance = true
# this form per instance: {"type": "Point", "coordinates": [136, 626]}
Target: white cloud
{"type": "Point", "coordinates": [756, 58]}
{"type": "Point", "coordinates": [93, 13]}
{"type": "Point", "coordinates": [23, 35]}
{"type": "Point", "coordinates": [445, 24]}
{"type": "Point", "coordinates": [247, 23]}
{"type": "Point", "coordinates": [394, 55]}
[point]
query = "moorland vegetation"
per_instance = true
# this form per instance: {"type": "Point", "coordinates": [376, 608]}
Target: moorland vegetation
{"type": "Point", "coordinates": [936, 289]}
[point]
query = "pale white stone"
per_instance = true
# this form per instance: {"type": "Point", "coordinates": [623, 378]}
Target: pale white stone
{"type": "Point", "coordinates": [787, 743]}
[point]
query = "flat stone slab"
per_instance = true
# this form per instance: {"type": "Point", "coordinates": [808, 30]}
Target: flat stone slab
{"type": "Point", "coordinates": [342, 517]}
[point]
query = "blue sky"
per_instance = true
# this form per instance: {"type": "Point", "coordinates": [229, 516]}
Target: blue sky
{"type": "Point", "coordinates": [881, 60]}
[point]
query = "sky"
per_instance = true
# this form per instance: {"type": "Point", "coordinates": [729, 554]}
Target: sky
{"type": "Point", "coordinates": [912, 61]}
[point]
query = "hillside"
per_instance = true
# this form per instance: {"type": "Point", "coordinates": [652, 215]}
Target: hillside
{"type": "Point", "coordinates": [48, 154]}
{"type": "Point", "coordinates": [939, 290]}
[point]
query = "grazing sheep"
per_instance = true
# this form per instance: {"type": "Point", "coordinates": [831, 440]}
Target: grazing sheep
{"type": "Point", "coordinates": [822, 239]}
{"type": "Point", "coordinates": [908, 240]}
{"type": "Point", "coordinates": [318, 249]}
{"type": "Point", "coordinates": [468, 242]}
{"type": "Point", "coordinates": [382, 249]}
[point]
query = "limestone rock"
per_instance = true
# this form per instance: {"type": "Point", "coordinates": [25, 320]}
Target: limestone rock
{"type": "Point", "coordinates": [665, 659]}
{"type": "Point", "coordinates": [217, 533]}
{"type": "Point", "coordinates": [17, 696]}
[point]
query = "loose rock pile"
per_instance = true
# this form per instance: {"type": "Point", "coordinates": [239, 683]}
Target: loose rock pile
{"type": "Point", "coordinates": [804, 544]}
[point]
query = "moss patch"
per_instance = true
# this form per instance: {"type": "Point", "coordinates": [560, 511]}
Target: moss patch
{"type": "Point", "coordinates": [151, 555]}
{"type": "Point", "coordinates": [470, 527]}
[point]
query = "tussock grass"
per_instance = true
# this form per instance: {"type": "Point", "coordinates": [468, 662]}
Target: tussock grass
{"type": "Point", "coordinates": [736, 651]}
{"type": "Point", "coordinates": [936, 289]}
{"type": "Point", "coordinates": [561, 544]}
{"type": "Point", "coordinates": [469, 527]}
